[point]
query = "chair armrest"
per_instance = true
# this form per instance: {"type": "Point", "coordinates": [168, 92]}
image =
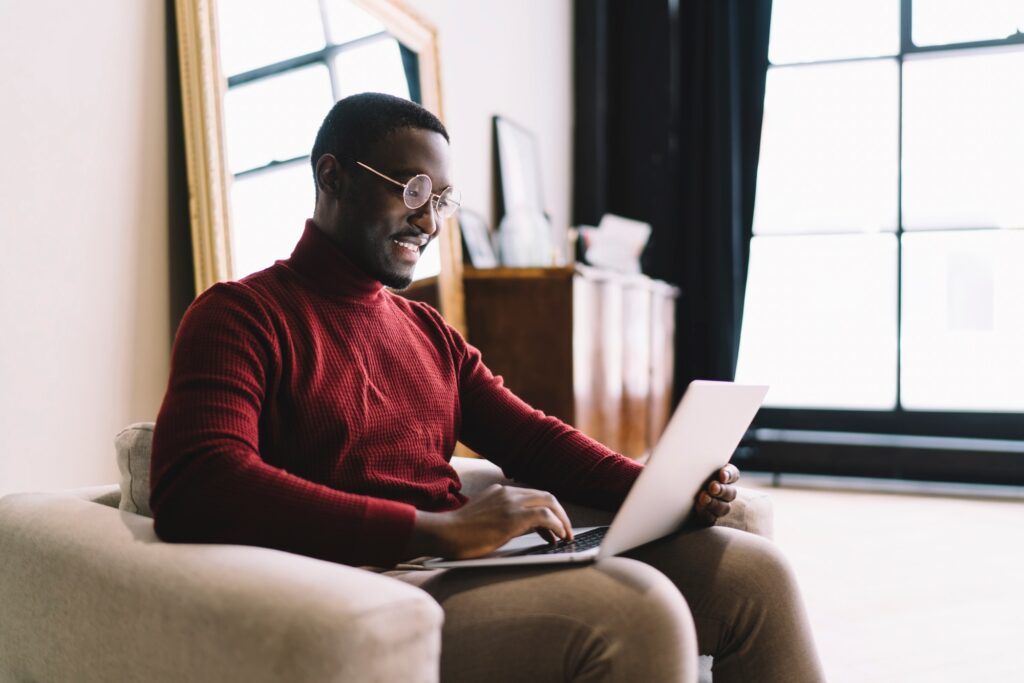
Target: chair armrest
{"type": "Point", "coordinates": [105, 494]}
{"type": "Point", "coordinates": [90, 594]}
{"type": "Point", "coordinates": [751, 511]}
{"type": "Point", "coordinates": [476, 474]}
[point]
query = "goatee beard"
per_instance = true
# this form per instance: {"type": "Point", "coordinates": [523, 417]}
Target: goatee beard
{"type": "Point", "coordinates": [396, 282]}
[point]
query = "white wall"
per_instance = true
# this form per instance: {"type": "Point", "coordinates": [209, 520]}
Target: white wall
{"type": "Point", "coordinates": [84, 295]}
{"type": "Point", "coordinates": [513, 59]}
{"type": "Point", "coordinates": [83, 227]}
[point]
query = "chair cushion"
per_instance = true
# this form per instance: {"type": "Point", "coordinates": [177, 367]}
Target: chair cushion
{"type": "Point", "coordinates": [134, 444]}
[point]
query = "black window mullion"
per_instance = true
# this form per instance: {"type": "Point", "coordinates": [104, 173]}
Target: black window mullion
{"type": "Point", "coordinates": [325, 55]}
{"type": "Point", "coordinates": [276, 163]}
{"type": "Point", "coordinates": [906, 24]}
{"type": "Point", "coordinates": [899, 230]}
{"type": "Point", "coordinates": [327, 41]}
{"type": "Point", "coordinates": [1016, 39]}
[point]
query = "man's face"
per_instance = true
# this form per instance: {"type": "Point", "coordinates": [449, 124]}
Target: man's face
{"type": "Point", "coordinates": [376, 229]}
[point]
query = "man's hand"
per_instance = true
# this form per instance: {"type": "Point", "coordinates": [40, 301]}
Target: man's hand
{"type": "Point", "coordinates": [713, 500]}
{"type": "Point", "coordinates": [487, 522]}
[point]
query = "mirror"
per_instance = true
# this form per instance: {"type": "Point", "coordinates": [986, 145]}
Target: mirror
{"type": "Point", "coordinates": [257, 80]}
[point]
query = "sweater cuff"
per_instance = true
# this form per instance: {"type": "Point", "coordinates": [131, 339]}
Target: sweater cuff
{"type": "Point", "coordinates": [388, 527]}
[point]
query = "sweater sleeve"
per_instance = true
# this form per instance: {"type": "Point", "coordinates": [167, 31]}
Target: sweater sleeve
{"type": "Point", "coordinates": [209, 483]}
{"type": "Point", "coordinates": [532, 447]}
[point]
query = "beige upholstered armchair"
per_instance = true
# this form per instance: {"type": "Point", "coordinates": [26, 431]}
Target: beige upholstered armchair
{"type": "Point", "coordinates": [89, 593]}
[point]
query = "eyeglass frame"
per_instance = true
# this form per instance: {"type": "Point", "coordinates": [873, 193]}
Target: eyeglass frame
{"type": "Point", "coordinates": [431, 195]}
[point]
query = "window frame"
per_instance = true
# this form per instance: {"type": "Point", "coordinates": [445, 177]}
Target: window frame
{"type": "Point", "coordinates": [978, 446]}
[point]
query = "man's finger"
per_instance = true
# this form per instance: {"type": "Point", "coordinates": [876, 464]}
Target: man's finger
{"type": "Point", "coordinates": [709, 505]}
{"type": "Point", "coordinates": [562, 515]}
{"type": "Point", "coordinates": [546, 534]}
{"type": "Point", "coordinates": [729, 474]}
{"type": "Point", "coordinates": [718, 508]}
{"type": "Point", "coordinates": [726, 493]}
{"type": "Point", "coordinates": [536, 498]}
{"type": "Point", "coordinates": [542, 518]}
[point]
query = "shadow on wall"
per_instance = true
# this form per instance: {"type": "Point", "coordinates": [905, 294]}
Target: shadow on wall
{"type": "Point", "coordinates": [181, 280]}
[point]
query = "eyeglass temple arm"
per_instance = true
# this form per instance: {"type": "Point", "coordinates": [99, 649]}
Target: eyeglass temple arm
{"type": "Point", "coordinates": [378, 173]}
{"type": "Point", "coordinates": [436, 196]}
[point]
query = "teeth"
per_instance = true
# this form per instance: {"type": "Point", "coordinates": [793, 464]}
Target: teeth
{"type": "Point", "coordinates": [411, 247]}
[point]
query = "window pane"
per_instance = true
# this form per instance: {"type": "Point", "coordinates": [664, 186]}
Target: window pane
{"type": "Point", "coordinates": [938, 22]}
{"type": "Point", "coordinates": [819, 322]}
{"type": "Point", "coordinates": [255, 33]}
{"type": "Point", "coordinates": [275, 118]}
{"type": "Point", "coordinates": [346, 22]}
{"type": "Point", "coordinates": [269, 210]}
{"type": "Point", "coordinates": [963, 140]}
{"type": "Point", "coordinates": [963, 321]}
{"type": "Point", "coordinates": [376, 67]}
{"type": "Point", "coordinates": [811, 30]}
{"type": "Point", "coordinates": [829, 149]}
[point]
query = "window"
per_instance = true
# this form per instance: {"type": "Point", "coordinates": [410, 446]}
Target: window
{"type": "Point", "coordinates": [286, 63]}
{"type": "Point", "coordinates": [886, 285]}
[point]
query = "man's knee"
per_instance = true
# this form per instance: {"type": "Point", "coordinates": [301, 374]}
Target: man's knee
{"type": "Point", "coordinates": [643, 592]}
{"type": "Point", "coordinates": [754, 566]}
{"type": "Point", "coordinates": [617, 619]}
{"type": "Point", "coordinates": [647, 618]}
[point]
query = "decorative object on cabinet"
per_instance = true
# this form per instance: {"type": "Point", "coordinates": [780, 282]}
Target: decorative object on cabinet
{"type": "Point", "coordinates": [525, 235]}
{"type": "Point", "coordinates": [476, 240]}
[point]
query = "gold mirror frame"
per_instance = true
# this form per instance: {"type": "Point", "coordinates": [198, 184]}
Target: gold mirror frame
{"type": "Point", "coordinates": [209, 181]}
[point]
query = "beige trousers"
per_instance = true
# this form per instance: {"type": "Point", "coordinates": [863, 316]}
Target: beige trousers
{"type": "Point", "coordinates": [641, 617]}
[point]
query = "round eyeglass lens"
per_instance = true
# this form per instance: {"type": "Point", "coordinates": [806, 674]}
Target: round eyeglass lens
{"type": "Point", "coordinates": [449, 202]}
{"type": "Point", "coordinates": [417, 191]}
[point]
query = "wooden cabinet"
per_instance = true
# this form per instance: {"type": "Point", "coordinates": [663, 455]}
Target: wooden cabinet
{"type": "Point", "coordinates": [590, 346]}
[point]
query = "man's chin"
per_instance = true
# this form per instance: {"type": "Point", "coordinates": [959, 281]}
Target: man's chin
{"type": "Point", "coordinates": [396, 281]}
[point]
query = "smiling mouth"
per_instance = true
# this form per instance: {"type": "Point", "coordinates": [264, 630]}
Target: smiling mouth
{"type": "Point", "coordinates": [412, 245]}
{"type": "Point", "coordinates": [408, 246]}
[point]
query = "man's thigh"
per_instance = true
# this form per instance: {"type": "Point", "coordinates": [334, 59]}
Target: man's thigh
{"type": "Point", "coordinates": [744, 600]}
{"type": "Point", "coordinates": [715, 566]}
{"type": "Point", "coordinates": [615, 620]}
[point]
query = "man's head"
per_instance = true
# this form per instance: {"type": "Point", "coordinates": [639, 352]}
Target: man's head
{"type": "Point", "coordinates": [362, 212]}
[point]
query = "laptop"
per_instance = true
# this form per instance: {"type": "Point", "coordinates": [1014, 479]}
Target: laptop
{"type": "Point", "coordinates": [698, 441]}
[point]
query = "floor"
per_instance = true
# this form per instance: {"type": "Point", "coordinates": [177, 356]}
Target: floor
{"type": "Point", "coordinates": [908, 587]}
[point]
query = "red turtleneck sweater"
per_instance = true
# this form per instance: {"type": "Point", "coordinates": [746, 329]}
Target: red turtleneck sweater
{"type": "Point", "coordinates": [311, 410]}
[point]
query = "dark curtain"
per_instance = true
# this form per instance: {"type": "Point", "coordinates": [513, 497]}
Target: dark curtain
{"type": "Point", "coordinates": [669, 98]}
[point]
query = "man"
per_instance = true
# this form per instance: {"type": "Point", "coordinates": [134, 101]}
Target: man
{"type": "Point", "coordinates": [311, 410]}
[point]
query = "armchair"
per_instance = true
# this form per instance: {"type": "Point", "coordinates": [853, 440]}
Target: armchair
{"type": "Point", "coordinates": [89, 593]}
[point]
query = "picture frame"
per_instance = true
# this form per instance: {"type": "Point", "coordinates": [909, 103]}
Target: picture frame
{"type": "Point", "coordinates": [476, 240]}
{"type": "Point", "coordinates": [517, 168]}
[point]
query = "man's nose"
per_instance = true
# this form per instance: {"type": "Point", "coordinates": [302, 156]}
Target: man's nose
{"type": "Point", "coordinates": [426, 219]}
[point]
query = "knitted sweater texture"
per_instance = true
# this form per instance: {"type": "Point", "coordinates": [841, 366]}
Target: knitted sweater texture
{"type": "Point", "coordinates": [311, 410]}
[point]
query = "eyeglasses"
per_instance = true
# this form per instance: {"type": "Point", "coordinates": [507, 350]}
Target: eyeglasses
{"type": "Point", "coordinates": [417, 192]}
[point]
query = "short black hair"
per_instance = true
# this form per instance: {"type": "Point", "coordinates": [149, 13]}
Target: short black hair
{"type": "Point", "coordinates": [357, 122]}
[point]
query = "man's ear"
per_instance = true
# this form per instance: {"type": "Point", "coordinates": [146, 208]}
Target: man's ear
{"type": "Point", "coordinates": [331, 178]}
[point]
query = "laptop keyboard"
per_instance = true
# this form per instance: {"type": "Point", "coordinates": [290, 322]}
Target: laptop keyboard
{"type": "Point", "coordinates": [585, 541]}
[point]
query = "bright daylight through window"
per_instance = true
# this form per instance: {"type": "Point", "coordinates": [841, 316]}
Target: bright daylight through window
{"type": "Point", "coordinates": [886, 263]}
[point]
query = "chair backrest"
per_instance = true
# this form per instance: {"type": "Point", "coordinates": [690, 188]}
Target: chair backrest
{"type": "Point", "coordinates": [134, 445]}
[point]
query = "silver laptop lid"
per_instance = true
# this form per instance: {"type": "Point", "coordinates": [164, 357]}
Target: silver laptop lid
{"type": "Point", "coordinates": [704, 431]}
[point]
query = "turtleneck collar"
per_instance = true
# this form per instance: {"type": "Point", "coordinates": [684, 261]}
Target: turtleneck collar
{"type": "Point", "coordinates": [320, 261]}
